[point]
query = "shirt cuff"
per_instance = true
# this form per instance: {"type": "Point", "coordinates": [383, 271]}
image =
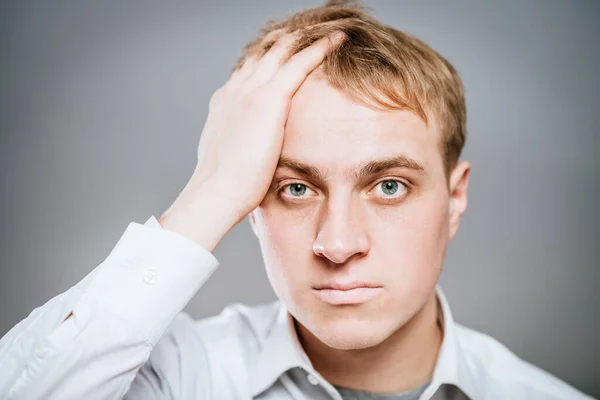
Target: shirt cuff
{"type": "Point", "coordinates": [148, 278]}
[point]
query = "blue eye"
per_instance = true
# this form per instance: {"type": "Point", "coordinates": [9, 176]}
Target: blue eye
{"type": "Point", "coordinates": [391, 188]}
{"type": "Point", "coordinates": [297, 189]}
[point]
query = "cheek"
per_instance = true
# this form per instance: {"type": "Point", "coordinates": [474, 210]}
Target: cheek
{"type": "Point", "coordinates": [287, 230]}
{"type": "Point", "coordinates": [412, 238]}
{"type": "Point", "coordinates": [286, 237]}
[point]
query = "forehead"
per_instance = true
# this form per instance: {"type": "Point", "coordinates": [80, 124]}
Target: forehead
{"type": "Point", "coordinates": [328, 130]}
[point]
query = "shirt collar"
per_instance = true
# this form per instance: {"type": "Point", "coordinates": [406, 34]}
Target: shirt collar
{"type": "Point", "coordinates": [451, 367]}
{"type": "Point", "coordinates": [282, 351]}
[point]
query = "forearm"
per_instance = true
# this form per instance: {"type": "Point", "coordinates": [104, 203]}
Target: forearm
{"type": "Point", "coordinates": [119, 312]}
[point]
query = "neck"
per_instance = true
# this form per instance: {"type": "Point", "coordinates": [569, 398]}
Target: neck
{"type": "Point", "coordinates": [402, 362]}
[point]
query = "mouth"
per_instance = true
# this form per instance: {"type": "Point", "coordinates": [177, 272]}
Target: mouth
{"type": "Point", "coordinates": [353, 293]}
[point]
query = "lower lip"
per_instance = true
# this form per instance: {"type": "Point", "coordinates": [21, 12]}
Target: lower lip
{"type": "Point", "coordinates": [352, 296]}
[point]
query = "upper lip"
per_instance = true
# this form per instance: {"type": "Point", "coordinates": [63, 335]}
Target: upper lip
{"type": "Point", "coordinates": [346, 285]}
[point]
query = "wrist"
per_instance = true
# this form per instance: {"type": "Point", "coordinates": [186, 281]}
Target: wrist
{"type": "Point", "coordinates": [201, 216]}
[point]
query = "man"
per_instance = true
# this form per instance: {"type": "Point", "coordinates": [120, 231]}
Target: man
{"type": "Point", "coordinates": [341, 139]}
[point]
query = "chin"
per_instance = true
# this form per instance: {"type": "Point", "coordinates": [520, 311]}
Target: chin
{"type": "Point", "coordinates": [350, 333]}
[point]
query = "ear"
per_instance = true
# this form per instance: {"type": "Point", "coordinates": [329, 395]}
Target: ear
{"type": "Point", "coordinates": [252, 219]}
{"type": "Point", "coordinates": [459, 183]}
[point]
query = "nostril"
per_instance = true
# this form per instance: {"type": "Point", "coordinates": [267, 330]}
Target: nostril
{"type": "Point", "coordinates": [318, 249]}
{"type": "Point", "coordinates": [340, 239]}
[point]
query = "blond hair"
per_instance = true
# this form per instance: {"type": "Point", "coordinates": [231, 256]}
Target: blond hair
{"type": "Point", "coordinates": [379, 66]}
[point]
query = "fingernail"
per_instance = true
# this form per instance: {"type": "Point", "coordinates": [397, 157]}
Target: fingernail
{"type": "Point", "coordinates": [339, 35]}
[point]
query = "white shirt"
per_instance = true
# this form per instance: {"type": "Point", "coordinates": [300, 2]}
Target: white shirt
{"type": "Point", "coordinates": [128, 338]}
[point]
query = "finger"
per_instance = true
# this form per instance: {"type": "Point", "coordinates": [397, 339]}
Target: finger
{"type": "Point", "coordinates": [291, 75]}
{"type": "Point", "coordinates": [277, 45]}
{"type": "Point", "coordinates": [250, 64]}
{"type": "Point", "coordinates": [271, 38]}
{"type": "Point", "coordinates": [247, 69]}
{"type": "Point", "coordinates": [273, 58]}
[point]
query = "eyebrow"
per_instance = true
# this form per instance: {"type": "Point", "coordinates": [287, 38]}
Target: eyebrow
{"type": "Point", "coordinates": [303, 169]}
{"type": "Point", "coordinates": [379, 166]}
{"type": "Point", "coordinates": [364, 171]}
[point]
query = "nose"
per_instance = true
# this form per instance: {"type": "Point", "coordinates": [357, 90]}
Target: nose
{"type": "Point", "coordinates": [343, 233]}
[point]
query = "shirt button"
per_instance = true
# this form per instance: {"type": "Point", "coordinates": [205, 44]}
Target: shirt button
{"type": "Point", "coordinates": [150, 277]}
{"type": "Point", "coordinates": [313, 380]}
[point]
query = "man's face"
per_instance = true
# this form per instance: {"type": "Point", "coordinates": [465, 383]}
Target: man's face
{"type": "Point", "coordinates": [360, 197]}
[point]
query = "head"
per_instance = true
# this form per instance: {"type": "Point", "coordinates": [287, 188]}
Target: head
{"type": "Point", "coordinates": [369, 187]}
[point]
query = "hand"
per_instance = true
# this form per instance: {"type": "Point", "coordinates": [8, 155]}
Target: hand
{"type": "Point", "coordinates": [241, 141]}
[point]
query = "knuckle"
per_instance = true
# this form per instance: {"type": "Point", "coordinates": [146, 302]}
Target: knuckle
{"type": "Point", "coordinates": [227, 89]}
{"type": "Point", "coordinates": [218, 96]}
{"type": "Point", "coordinates": [256, 99]}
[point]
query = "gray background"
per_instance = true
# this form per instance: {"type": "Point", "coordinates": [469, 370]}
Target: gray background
{"type": "Point", "coordinates": [102, 104]}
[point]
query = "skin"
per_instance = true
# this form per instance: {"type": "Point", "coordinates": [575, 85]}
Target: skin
{"type": "Point", "coordinates": [344, 226]}
{"type": "Point", "coordinates": [264, 123]}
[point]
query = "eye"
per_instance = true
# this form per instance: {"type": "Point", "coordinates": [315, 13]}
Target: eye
{"type": "Point", "coordinates": [296, 190]}
{"type": "Point", "coordinates": [390, 189]}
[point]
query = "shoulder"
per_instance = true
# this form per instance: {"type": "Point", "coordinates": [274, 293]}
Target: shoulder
{"type": "Point", "coordinates": [500, 373]}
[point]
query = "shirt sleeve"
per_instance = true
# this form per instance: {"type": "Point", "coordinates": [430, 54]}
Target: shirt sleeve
{"type": "Point", "coordinates": [119, 312]}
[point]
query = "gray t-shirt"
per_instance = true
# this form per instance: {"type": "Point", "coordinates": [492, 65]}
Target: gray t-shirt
{"type": "Point", "coordinates": [350, 394]}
